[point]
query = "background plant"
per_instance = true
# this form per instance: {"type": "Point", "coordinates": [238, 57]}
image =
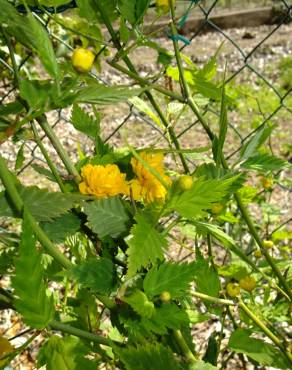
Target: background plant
{"type": "Point", "coordinates": [101, 269]}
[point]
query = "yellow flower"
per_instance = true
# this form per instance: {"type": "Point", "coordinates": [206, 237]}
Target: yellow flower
{"type": "Point", "coordinates": [103, 181]}
{"type": "Point", "coordinates": [147, 187]}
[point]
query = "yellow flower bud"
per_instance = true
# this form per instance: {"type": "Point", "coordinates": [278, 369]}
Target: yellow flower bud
{"type": "Point", "coordinates": [267, 182]}
{"type": "Point", "coordinates": [82, 59]}
{"type": "Point", "coordinates": [257, 253]}
{"type": "Point", "coordinates": [217, 208]}
{"type": "Point", "coordinates": [247, 283]}
{"type": "Point", "coordinates": [165, 296]}
{"type": "Point", "coordinates": [233, 289]}
{"type": "Point", "coordinates": [185, 182]}
{"type": "Point", "coordinates": [163, 5]}
{"type": "Point", "coordinates": [268, 244]}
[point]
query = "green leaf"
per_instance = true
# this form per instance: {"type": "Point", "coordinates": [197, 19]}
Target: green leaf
{"type": "Point", "coordinates": [11, 108]}
{"type": "Point", "coordinates": [43, 171]}
{"type": "Point", "coordinates": [31, 33]}
{"type": "Point", "coordinates": [140, 303]}
{"type": "Point", "coordinates": [33, 302]}
{"type": "Point", "coordinates": [264, 163]}
{"type": "Point", "coordinates": [206, 88]}
{"type": "Point", "coordinates": [133, 10]}
{"type": "Point", "coordinates": [204, 228]}
{"type": "Point", "coordinates": [96, 93]}
{"type": "Point", "coordinates": [146, 246]}
{"type": "Point", "coordinates": [211, 353]}
{"type": "Point", "coordinates": [64, 354]}
{"type": "Point", "coordinates": [256, 141]}
{"type": "Point", "coordinates": [19, 158]}
{"type": "Point", "coordinates": [206, 277]}
{"type": "Point", "coordinates": [83, 122]}
{"type": "Point", "coordinates": [174, 278]}
{"type": "Point", "coordinates": [149, 356]}
{"type": "Point", "coordinates": [201, 365]}
{"type": "Point", "coordinates": [264, 353]}
{"type": "Point", "coordinates": [107, 216]}
{"type": "Point", "coordinates": [43, 205]}
{"type": "Point", "coordinates": [53, 3]}
{"type": "Point", "coordinates": [96, 274]}
{"type": "Point", "coordinates": [62, 227]}
{"type": "Point", "coordinates": [168, 316]}
{"type": "Point", "coordinates": [35, 93]}
{"type": "Point", "coordinates": [223, 125]}
{"type": "Point", "coordinates": [193, 202]}
{"type": "Point", "coordinates": [145, 108]}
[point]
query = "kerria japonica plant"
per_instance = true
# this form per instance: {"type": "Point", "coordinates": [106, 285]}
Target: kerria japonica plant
{"type": "Point", "coordinates": [112, 253]}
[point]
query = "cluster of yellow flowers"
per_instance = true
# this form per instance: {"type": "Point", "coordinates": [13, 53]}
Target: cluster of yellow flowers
{"type": "Point", "coordinates": [107, 181]}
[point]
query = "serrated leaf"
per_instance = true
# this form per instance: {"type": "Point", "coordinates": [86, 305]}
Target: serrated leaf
{"type": "Point", "coordinates": [154, 356]}
{"type": "Point", "coordinates": [168, 316]}
{"type": "Point", "coordinates": [96, 93]}
{"type": "Point", "coordinates": [43, 171]}
{"type": "Point", "coordinates": [96, 274]}
{"type": "Point", "coordinates": [62, 227]}
{"type": "Point", "coordinates": [33, 302]}
{"type": "Point", "coordinates": [145, 246]}
{"type": "Point", "coordinates": [64, 354]}
{"type": "Point", "coordinates": [83, 122]}
{"type": "Point", "coordinates": [192, 203]}
{"type": "Point", "coordinates": [174, 278]}
{"type": "Point", "coordinates": [206, 277]}
{"type": "Point", "coordinates": [133, 10]}
{"type": "Point", "coordinates": [264, 353]}
{"type": "Point", "coordinates": [264, 163]}
{"type": "Point", "coordinates": [256, 141]}
{"type": "Point", "coordinates": [31, 33]}
{"type": "Point", "coordinates": [43, 205]}
{"type": "Point", "coordinates": [107, 216]}
{"type": "Point", "coordinates": [140, 303]}
{"type": "Point", "coordinates": [204, 228]}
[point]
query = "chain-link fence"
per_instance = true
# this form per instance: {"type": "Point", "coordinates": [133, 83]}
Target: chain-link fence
{"type": "Point", "coordinates": [252, 67]}
{"type": "Point", "coordinates": [244, 66]}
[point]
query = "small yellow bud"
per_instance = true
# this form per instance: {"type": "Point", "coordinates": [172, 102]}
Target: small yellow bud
{"type": "Point", "coordinates": [257, 253]}
{"type": "Point", "coordinates": [82, 59]}
{"type": "Point", "coordinates": [267, 182]}
{"type": "Point", "coordinates": [163, 5]}
{"type": "Point", "coordinates": [217, 208]}
{"type": "Point", "coordinates": [165, 296]}
{"type": "Point", "coordinates": [185, 182]}
{"type": "Point", "coordinates": [233, 289]}
{"type": "Point", "coordinates": [247, 283]}
{"type": "Point", "coordinates": [268, 244]}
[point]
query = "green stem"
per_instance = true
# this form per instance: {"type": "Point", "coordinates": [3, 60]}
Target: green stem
{"type": "Point", "coordinates": [251, 315]}
{"type": "Point", "coordinates": [59, 147]}
{"type": "Point", "coordinates": [68, 329]}
{"type": "Point", "coordinates": [257, 238]}
{"type": "Point", "coordinates": [131, 67]}
{"type": "Point", "coordinates": [188, 354]}
{"type": "Point", "coordinates": [16, 200]}
{"type": "Point", "coordinates": [215, 300]}
{"type": "Point", "coordinates": [243, 210]}
{"type": "Point", "coordinates": [265, 329]}
{"type": "Point", "coordinates": [14, 64]}
{"type": "Point", "coordinates": [48, 159]}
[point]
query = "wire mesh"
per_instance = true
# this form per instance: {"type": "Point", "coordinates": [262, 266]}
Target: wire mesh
{"type": "Point", "coordinates": [206, 9]}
